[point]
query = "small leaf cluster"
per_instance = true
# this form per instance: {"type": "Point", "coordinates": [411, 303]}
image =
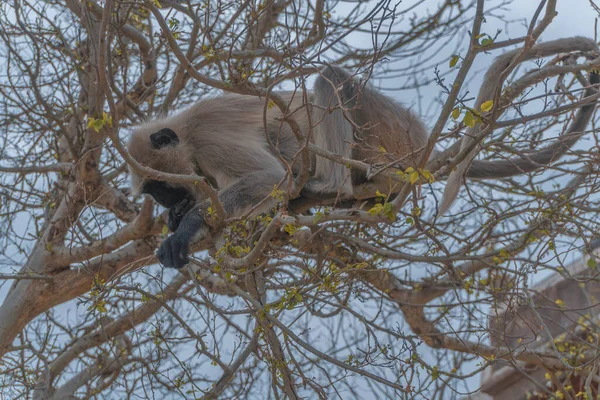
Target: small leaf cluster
{"type": "Point", "coordinates": [383, 207]}
{"type": "Point", "coordinates": [208, 52]}
{"type": "Point", "coordinates": [486, 39]}
{"type": "Point", "coordinates": [472, 117]}
{"type": "Point", "coordinates": [174, 27]}
{"type": "Point", "coordinates": [415, 175]}
{"type": "Point", "coordinates": [290, 299]}
{"type": "Point", "coordinates": [277, 193]}
{"type": "Point", "coordinates": [98, 303]}
{"type": "Point", "coordinates": [98, 123]}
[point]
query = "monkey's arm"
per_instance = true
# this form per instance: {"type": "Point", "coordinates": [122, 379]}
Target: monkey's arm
{"type": "Point", "coordinates": [237, 199]}
{"type": "Point", "coordinates": [177, 212]}
{"type": "Point", "coordinates": [173, 252]}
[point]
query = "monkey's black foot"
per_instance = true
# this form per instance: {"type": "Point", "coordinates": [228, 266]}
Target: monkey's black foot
{"type": "Point", "coordinates": [173, 253]}
{"type": "Point", "coordinates": [178, 211]}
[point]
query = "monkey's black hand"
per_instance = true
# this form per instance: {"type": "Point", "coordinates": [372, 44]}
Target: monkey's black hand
{"type": "Point", "coordinates": [178, 211]}
{"type": "Point", "coordinates": [173, 252]}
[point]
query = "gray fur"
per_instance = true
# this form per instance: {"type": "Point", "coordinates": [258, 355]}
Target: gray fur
{"type": "Point", "coordinates": [332, 132]}
{"type": "Point", "coordinates": [357, 128]}
{"type": "Point", "coordinates": [223, 138]}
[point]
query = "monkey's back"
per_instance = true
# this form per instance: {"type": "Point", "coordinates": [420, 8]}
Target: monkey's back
{"type": "Point", "coordinates": [216, 131]}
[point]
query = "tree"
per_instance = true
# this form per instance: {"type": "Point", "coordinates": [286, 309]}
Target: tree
{"type": "Point", "coordinates": [384, 299]}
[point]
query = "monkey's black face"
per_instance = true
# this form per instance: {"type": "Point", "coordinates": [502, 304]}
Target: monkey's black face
{"type": "Point", "coordinates": [165, 194]}
{"type": "Point", "coordinates": [177, 199]}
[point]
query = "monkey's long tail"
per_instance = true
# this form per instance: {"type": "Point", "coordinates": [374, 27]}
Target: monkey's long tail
{"type": "Point", "coordinates": [481, 169]}
{"type": "Point", "coordinates": [518, 165]}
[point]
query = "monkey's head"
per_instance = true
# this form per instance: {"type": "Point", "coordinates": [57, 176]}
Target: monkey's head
{"type": "Point", "coordinates": [163, 151]}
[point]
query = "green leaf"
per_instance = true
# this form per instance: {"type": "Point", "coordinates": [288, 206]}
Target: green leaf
{"type": "Point", "coordinates": [376, 210]}
{"type": "Point", "coordinates": [382, 195]}
{"type": "Point", "coordinates": [456, 113]}
{"type": "Point", "coordinates": [107, 119]}
{"type": "Point", "coordinates": [592, 262]}
{"type": "Point", "coordinates": [97, 124]}
{"type": "Point", "coordinates": [414, 177]}
{"type": "Point", "coordinates": [428, 176]}
{"type": "Point", "coordinates": [277, 194]}
{"type": "Point", "coordinates": [290, 229]}
{"type": "Point", "coordinates": [91, 123]}
{"type": "Point", "coordinates": [454, 60]}
{"type": "Point", "coordinates": [435, 373]}
{"type": "Point", "coordinates": [165, 230]}
{"type": "Point", "coordinates": [487, 41]}
{"type": "Point", "coordinates": [469, 119]}
{"type": "Point", "coordinates": [487, 106]}
{"type": "Point", "coordinates": [173, 22]}
{"type": "Point", "coordinates": [99, 306]}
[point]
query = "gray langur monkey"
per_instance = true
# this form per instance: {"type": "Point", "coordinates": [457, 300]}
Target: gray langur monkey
{"type": "Point", "coordinates": [224, 139]}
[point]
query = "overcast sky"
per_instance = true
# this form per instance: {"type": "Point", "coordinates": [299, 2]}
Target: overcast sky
{"type": "Point", "coordinates": [575, 18]}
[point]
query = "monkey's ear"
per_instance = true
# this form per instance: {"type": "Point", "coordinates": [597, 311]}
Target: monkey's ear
{"type": "Point", "coordinates": [164, 137]}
